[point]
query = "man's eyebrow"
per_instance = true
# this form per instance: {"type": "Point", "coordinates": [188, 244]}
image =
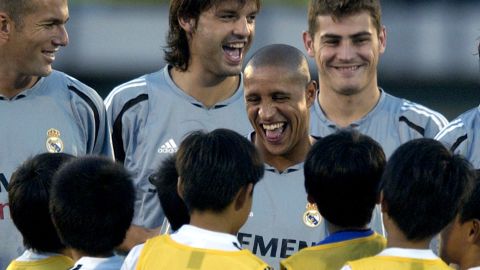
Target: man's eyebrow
{"type": "Point", "coordinates": [56, 20]}
{"type": "Point", "coordinates": [330, 36]}
{"type": "Point", "coordinates": [361, 34]}
{"type": "Point", "coordinates": [356, 35]}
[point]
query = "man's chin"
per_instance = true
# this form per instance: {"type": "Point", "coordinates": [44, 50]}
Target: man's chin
{"type": "Point", "coordinates": [231, 70]}
{"type": "Point", "coordinates": [276, 150]}
{"type": "Point", "coordinates": [349, 90]}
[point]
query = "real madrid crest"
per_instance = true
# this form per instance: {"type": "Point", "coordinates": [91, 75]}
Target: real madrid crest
{"type": "Point", "coordinates": [54, 144]}
{"type": "Point", "coordinates": [312, 217]}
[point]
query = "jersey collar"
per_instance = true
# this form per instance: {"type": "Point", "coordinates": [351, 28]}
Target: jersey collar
{"type": "Point", "coordinates": [321, 114]}
{"type": "Point", "coordinates": [423, 254]}
{"type": "Point", "coordinates": [26, 92]}
{"type": "Point", "coordinates": [176, 90]}
{"type": "Point", "coordinates": [269, 168]}
{"type": "Point", "coordinates": [196, 237]}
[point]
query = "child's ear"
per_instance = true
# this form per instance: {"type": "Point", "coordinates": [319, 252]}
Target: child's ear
{"type": "Point", "coordinates": [242, 196]}
{"type": "Point", "coordinates": [382, 202]}
{"type": "Point", "coordinates": [474, 233]}
{"type": "Point", "coordinates": [180, 187]}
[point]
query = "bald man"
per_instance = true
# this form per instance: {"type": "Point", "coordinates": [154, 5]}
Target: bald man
{"type": "Point", "coordinates": [278, 95]}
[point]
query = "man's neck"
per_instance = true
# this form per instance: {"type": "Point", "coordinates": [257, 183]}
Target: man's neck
{"type": "Point", "coordinates": [12, 84]}
{"type": "Point", "coordinates": [343, 110]}
{"type": "Point", "coordinates": [293, 157]}
{"type": "Point", "coordinates": [206, 88]}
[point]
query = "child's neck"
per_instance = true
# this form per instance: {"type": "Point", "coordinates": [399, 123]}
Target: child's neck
{"type": "Point", "coordinates": [332, 228]}
{"type": "Point", "coordinates": [216, 222]}
{"type": "Point", "coordinates": [471, 258]}
{"type": "Point", "coordinates": [397, 239]}
{"type": "Point", "coordinates": [77, 254]}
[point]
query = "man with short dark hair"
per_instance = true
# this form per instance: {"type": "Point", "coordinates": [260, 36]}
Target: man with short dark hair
{"type": "Point", "coordinates": [346, 39]}
{"type": "Point", "coordinates": [201, 87]}
{"type": "Point", "coordinates": [41, 109]}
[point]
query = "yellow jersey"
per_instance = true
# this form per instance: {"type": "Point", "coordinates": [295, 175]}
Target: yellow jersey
{"type": "Point", "coordinates": [335, 255]}
{"type": "Point", "coordinates": [59, 262]}
{"type": "Point", "coordinates": [162, 252]}
{"type": "Point", "coordinates": [398, 263]}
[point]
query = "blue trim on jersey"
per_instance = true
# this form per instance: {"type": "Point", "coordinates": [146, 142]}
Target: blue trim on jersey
{"type": "Point", "coordinates": [344, 236]}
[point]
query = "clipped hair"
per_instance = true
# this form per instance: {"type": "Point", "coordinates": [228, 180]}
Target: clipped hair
{"type": "Point", "coordinates": [424, 186]}
{"type": "Point", "coordinates": [92, 200]}
{"type": "Point", "coordinates": [343, 165]}
{"type": "Point", "coordinates": [339, 9]}
{"type": "Point", "coordinates": [214, 167]}
{"type": "Point", "coordinates": [29, 195]}
{"type": "Point", "coordinates": [17, 9]}
{"type": "Point", "coordinates": [165, 181]}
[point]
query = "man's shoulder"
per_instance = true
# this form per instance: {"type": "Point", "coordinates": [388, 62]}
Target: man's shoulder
{"type": "Point", "coordinates": [470, 118]}
{"type": "Point", "coordinates": [414, 113]}
{"type": "Point", "coordinates": [74, 89]}
{"type": "Point", "coordinates": [405, 106]}
{"type": "Point", "coordinates": [128, 91]}
{"type": "Point", "coordinates": [461, 126]}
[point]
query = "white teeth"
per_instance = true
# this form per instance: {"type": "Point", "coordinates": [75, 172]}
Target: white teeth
{"type": "Point", "coordinates": [236, 45]}
{"type": "Point", "coordinates": [349, 68]}
{"type": "Point", "coordinates": [273, 126]}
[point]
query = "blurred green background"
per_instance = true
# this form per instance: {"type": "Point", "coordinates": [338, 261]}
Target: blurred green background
{"type": "Point", "coordinates": [136, 2]}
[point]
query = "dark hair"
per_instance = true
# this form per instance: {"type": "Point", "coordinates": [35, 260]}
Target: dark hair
{"type": "Point", "coordinates": [339, 9]}
{"type": "Point", "coordinates": [17, 9]}
{"type": "Point", "coordinates": [29, 194]}
{"type": "Point", "coordinates": [471, 209]}
{"type": "Point", "coordinates": [165, 181]}
{"type": "Point", "coordinates": [342, 175]}
{"type": "Point", "coordinates": [92, 204]}
{"type": "Point", "coordinates": [214, 166]}
{"type": "Point", "coordinates": [177, 52]}
{"type": "Point", "coordinates": [423, 186]}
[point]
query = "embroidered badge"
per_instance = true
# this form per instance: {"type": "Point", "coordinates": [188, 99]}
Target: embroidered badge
{"type": "Point", "coordinates": [54, 144]}
{"type": "Point", "coordinates": [312, 217]}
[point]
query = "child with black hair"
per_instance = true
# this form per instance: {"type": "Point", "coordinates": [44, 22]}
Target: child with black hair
{"type": "Point", "coordinates": [342, 174]}
{"type": "Point", "coordinates": [422, 190]}
{"type": "Point", "coordinates": [29, 195]}
{"type": "Point", "coordinates": [92, 207]}
{"type": "Point", "coordinates": [217, 172]}
{"type": "Point", "coordinates": [165, 181]}
{"type": "Point", "coordinates": [461, 238]}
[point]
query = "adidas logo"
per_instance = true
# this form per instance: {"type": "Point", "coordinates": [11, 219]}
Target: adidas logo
{"type": "Point", "coordinates": [169, 147]}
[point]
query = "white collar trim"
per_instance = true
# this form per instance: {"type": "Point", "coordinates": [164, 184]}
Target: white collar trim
{"type": "Point", "coordinates": [425, 254]}
{"type": "Point", "coordinates": [31, 255]}
{"type": "Point", "coordinates": [196, 237]}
